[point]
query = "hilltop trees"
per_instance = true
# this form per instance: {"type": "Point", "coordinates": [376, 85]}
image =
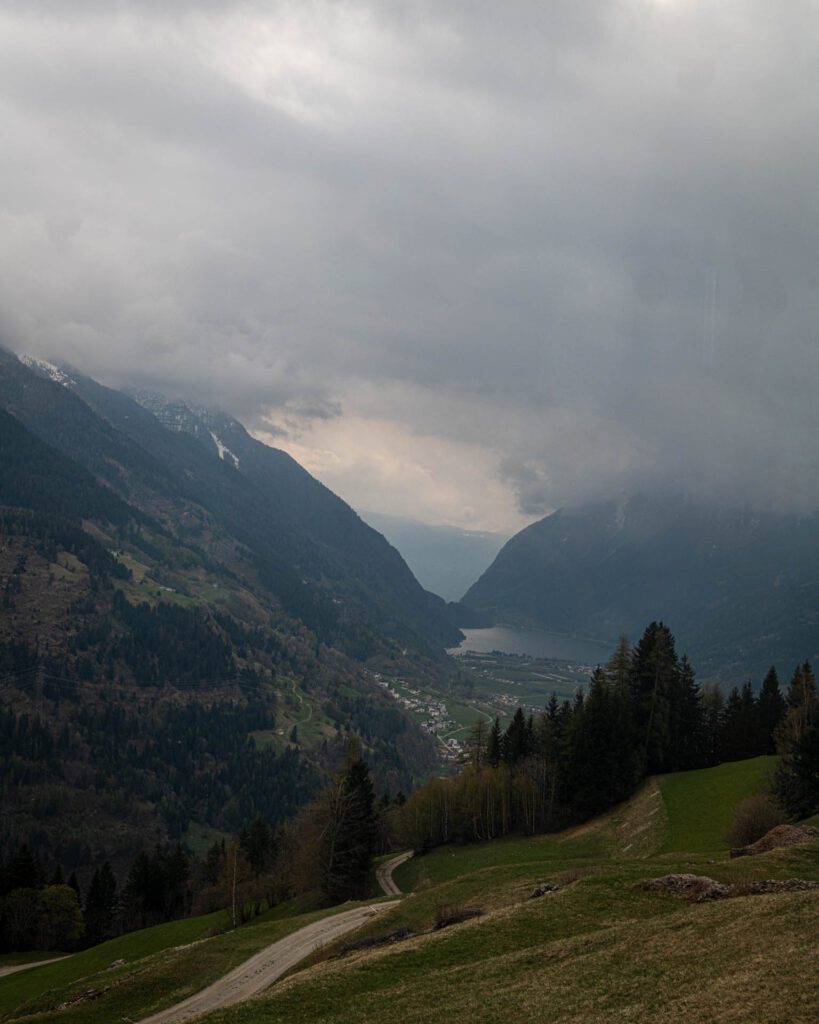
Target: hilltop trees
{"type": "Point", "coordinates": [643, 713]}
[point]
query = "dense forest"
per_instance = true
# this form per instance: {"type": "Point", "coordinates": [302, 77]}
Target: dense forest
{"type": "Point", "coordinates": [326, 848]}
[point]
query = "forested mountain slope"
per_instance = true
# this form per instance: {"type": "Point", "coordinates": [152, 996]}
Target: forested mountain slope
{"type": "Point", "coordinates": [742, 588]}
{"type": "Point", "coordinates": [155, 683]}
{"type": "Point", "coordinates": [267, 518]}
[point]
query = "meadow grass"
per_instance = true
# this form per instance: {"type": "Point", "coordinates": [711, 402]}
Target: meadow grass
{"type": "Point", "coordinates": [597, 949]}
{"type": "Point", "coordinates": [163, 965]}
{"type": "Point", "coordinates": [700, 803]}
{"type": "Point", "coordinates": [590, 953]}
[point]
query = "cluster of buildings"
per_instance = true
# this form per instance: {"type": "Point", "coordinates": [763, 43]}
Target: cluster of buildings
{"type": "Point", "coordinates": [437, 720]}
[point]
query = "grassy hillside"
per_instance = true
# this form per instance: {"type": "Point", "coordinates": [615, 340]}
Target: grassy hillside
{"type": "Point", "coordinates": [596, 949]}
{"type": "Point", "coordinates": [699, 803]}
{"type": "Point", "coordinates": [162, 965]}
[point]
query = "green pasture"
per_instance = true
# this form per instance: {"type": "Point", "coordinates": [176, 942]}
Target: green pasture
{"type": "Point", "coordinates": [598, 948]}
{"type": "Point", "coordinates": [163, 965]}
{"type": "Point", "coordinates": [700, 803]}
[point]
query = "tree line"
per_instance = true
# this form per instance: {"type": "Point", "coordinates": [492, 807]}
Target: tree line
{"type": "Point", "coordinates": [642, 714]}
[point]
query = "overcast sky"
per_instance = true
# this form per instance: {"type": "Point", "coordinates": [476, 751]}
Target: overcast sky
{"type": "Point", "coordinates": [467, 261]}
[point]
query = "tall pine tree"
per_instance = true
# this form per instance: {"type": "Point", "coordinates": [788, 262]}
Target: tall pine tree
{"type": "Point", "coordinates": [350, 829]}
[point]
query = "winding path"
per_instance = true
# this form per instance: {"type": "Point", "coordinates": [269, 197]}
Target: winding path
{"type": "Point", "coordinates": [383, 873]}
{"type": "Point", "coordinates": [261, 970]}
{"type": "Point", "coordinates": [24, 967]}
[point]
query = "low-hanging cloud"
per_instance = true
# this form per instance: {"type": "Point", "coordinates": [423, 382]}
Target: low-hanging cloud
{"type": "Point", "coordinates": [577, 240]}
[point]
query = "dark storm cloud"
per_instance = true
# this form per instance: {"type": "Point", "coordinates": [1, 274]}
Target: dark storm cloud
{"type": "Point", "coordinates": [581, 237]}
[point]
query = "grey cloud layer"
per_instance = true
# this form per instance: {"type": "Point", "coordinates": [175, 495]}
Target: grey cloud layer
{"type": "Point", "coordinates": [591, 228]}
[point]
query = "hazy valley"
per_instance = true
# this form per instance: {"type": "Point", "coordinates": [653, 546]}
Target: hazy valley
{"type": "Point", "coordinates": [203, 648]}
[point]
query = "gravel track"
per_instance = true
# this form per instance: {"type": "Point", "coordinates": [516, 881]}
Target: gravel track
{"type": "Point", "coordinates": [261, 970]}
{"type": "Point", "coordinates": [24, 967]}
{"type": "Point", "coordinates": [383, 873]}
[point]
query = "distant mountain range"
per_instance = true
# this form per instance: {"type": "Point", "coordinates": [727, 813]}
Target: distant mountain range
{"type": "Point", "coordinates": [445, 559]}
{"type": "Point", "coordinates": [739, 589]}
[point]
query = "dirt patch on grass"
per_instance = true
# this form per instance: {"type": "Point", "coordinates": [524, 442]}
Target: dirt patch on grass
{"type": "Point", "coordinates": [575, 874]}
{"type": "Point", "coordinates": [692, 888]}
{"type": "Point", "coordinates": [639, 826]}
{"type": "Point", "coordinates": [82, 997]}
{"type": "Point", "coordinates": [398, 935]}
{"type": "Point", "coordinates": [701, 888]}
{"type": "Point", "coordinates": [776, 839]}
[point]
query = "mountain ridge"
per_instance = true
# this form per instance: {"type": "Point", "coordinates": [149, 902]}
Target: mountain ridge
{"type": "Point", "coordinates": [295, 527]}
{"type": "Point", "coordinates": [740, 587]}
{"type": "Point", "coordinates": [157, 679]}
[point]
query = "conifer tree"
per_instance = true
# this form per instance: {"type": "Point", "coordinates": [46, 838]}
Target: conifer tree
{"type": "Point", "coordinates": [517, 740]}
{"type": "Point", "coordinates": [771, 710]}
{"type": "Point", "coordinates": [101, 905]}
{"type": "Point", "coordinates": [475, 744]}
{"type": "Point", "coordinates": [653, 676]}
{"type": "Point", "coordinates": [713, 710]}
{"type": "Point", "coordinates": [797, 741]}
{"type": "Point", "coordinates": [494, 744]}
{"type": "Point", "coordinates": [350, 829]}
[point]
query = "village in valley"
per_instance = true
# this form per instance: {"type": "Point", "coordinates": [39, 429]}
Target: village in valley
{"type": "Point", "coordinates": [492, 685]}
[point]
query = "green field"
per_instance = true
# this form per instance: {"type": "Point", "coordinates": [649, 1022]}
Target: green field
{"type": "Point", "coordinates": [597, 949]}
{"type": "Point", "coordinates": [163, 965]}
{"type": "Point", "coordinates": [699, 803]}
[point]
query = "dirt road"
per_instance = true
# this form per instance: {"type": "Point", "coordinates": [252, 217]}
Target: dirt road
{"type": "Point", "coordinates": [261, 970]}
{"type": "Point", "coordinates": [24, 967]}
{"type": "Point", "coordinates": [383, 873]}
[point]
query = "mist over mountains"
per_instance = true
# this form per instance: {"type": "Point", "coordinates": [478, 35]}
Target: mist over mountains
{"type": "Point", "coordinates": [739, 587]}
{"type": "Point", "coordinates": [324, 564]}
{"type": "Point", "coordinates": [445, 559]}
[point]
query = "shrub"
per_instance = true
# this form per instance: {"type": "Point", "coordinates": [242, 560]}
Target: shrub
{"type": "Point", "coordinates": [753, 818]}
{"type": "Point", "coordinates": [447, 915]}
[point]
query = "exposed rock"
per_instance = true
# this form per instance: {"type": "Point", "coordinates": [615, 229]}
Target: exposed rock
{"type": "Point", "coordinates": [694, 888]}
{"type": "Point", "coordinates": [697, 888]}
{"type": "Point", "coordinates": [780, 836]}
{"type": "Point", "coordinates": [83, 997]}
{"type": "Point", "coordinates": [773, 885]}
{"type": "Point", "coordinates": [543, 888]}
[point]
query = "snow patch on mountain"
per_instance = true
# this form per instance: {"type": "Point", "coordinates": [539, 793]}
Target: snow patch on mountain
{"type": "Point", "coordinates": [224, 452]}
{"type": "Point", "coordinates": [47, 369]}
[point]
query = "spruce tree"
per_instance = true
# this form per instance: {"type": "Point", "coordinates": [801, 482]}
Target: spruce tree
{"type": "Point", "coordinates": [517, 740]}
{"type": "Point", "coordinates": [101, 906]}
{"type": "Point", "coordinates": [653, 677]}
{"type": "Point", "coordinates": [797, 741]}
{"type": "Point", "coordinates": [771, 710]}
{"type": "Point", "coordinates": [350, 829]}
